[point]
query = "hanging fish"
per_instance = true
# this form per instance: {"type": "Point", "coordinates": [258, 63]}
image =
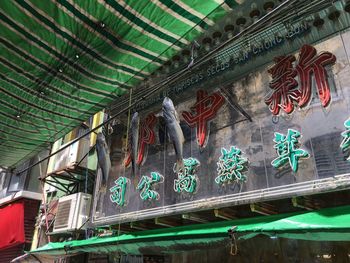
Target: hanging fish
{"type": "Point", "coordinates": [103, 157]}
{"type": "Point", "coordinates": [174, 131]}
{"type": "Point", "coordinates": [134, 140]}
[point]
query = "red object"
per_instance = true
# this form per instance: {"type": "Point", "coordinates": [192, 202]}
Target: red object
{"type": "Point", "coordinates": [283, 85]}
{"type": "Point", "coordinates": [286, 93]}
{"type": "Point", "coordinates": [310, 63]}
{"type": "Point", "coordinates": [12, 225]}
{"type": "Point", "coordinates": [146, 137]}
{"type": "Point", "coordinates": [202, 112]}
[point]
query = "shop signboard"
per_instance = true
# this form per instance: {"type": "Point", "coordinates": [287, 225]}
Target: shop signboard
{"type": "Point", "coordinates": [281, 130]}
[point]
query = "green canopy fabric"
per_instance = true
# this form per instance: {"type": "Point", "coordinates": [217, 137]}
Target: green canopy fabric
{"type": "Point", "coordinates": [331, 224]}
{"type": "Point", "coordinates": [62, 61]}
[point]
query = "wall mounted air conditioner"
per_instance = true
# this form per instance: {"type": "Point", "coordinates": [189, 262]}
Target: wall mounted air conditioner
{"type": "Point", "coordinates": [72, 213]}
{"type": "Point", "coordinates": [71, 156]}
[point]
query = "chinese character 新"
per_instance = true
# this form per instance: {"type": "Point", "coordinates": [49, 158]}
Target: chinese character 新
{"type": "Point", "coordinates": [285, 91]}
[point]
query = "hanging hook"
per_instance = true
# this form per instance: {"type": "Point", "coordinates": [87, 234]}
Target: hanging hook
{"type": "Point", "coordinates": [234, 248]}
{"type": "Point", "coordinates": [194, 45]}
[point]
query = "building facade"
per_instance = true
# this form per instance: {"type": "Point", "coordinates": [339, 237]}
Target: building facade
{"type": "Point", "coordinates": [265, 127]}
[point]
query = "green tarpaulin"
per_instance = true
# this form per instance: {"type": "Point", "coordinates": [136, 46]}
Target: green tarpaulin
{"type": "Point", "coordinates": [62, 61]}
{"type": "Point", "coordinates": [331, 224]}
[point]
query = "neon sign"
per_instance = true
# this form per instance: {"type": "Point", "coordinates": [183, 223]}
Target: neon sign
{"type": "Point", "coordinates": [286, 94]}
{"type": "Point", "coordinates": [202, 112]}
{"type": "Point", "coordinates": [287, 150]}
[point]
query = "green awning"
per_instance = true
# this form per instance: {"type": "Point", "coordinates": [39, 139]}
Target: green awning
{"type": "Point", "coordinates": [331, 224]}
{"type": "Point", "coordinates": [62, 61]}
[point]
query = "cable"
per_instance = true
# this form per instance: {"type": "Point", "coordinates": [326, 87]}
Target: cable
{"type": "Point", "coordinates": [161, 84]}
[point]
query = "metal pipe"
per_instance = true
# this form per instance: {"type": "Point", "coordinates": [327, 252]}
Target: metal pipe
{"type": "Point", "coordinates": [161, 84]}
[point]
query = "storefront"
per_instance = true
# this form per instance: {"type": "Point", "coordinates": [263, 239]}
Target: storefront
{"type": "Point", "coordinates": [17, 221]}
{"type": "Point", "coordinates": [265, 121]}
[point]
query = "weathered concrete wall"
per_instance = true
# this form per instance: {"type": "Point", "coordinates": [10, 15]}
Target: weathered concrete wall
{"type": "Point", "coordinates": [320, 128]}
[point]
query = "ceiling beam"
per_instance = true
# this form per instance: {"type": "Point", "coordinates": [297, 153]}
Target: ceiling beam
{"type": "Point", "coordinates": [227, 214]}
{"type": "Point", "coordinates": [194, 217]}
{"type": "Point", "coordinates": [263, 209]}
{"type": "Point", "coordinates": [165, 222]}
{"type": "Point", "coordinates": [306, 202]}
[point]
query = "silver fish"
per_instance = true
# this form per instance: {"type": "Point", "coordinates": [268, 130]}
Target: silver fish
{"type": "Point", "coordinates": [174, 131]}
{"type": "Point", "coordinates": [134, 140]}
{"type": "Point", "coordinates": [103, 157]}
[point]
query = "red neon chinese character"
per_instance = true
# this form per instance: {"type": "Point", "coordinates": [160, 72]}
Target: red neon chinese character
{"type": "Point", "coordinates": [146, 137]}
{"type": "Point", "coordinates": [283, 85]}
{"type": "Point", "coordinates": [310, 63]}
{"type": "Point", "coordinates": [203, 111]}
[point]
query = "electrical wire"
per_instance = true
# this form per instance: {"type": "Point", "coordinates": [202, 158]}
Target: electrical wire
{"type": "Point", "coordinates": [172, 78]}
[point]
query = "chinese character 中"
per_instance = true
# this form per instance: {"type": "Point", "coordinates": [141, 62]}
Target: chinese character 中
{"type": "Point", "coordinates": [286, 93]}
{"type": "Point", "coordinates": [287, 151]}
{"type": "Point", "coordinates": [146, 186]}
{"type": "Point", "coordinates": [202, 112]}
{"type": "Point", "coordinates": [118, 191]}
{"type": "Point", "coordinates": [146, 137]}
{"type": "Point", "coordinates": [187, 178]}
{"type": "Point", "coordinates": [345, 144]}
{"type": "Point", "coordinates": [231, 166]}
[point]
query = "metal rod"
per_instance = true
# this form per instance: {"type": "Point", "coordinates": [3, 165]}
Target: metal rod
{"type": "Point", "coordinates": [161, 84]}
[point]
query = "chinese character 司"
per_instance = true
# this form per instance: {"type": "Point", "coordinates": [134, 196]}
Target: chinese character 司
{"type": "Point", "coordinates": [287, 150]}
{"type": "Point", "coordinates": [145, 186]}
{"type": "Point", "coordinates": [187, 178]}
{"type": "Point", "coordinates": [286, 93]}
{"type": "Point", "coordinates": [202, 112]}
{"type": "Point", "coordinates": [345, 144]}
{"type": "Point", "coordinates": [118, 191]}
{"type": "Point", "coordinates": [231, 166]}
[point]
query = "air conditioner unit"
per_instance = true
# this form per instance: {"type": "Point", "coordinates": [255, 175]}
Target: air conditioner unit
{"type": "Point", "coordinates": [72, 213]}
{"type": "Point", "coordinates": [73, 155]}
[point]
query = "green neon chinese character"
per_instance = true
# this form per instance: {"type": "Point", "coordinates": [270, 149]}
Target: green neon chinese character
{"type": "Point", "coordinates": [345, 144]}
{"type": "Point", "coordinates": [187, 179]}
{"type": "Point", "coordinates": [287, 150]}
{"type": "Point", "coordinates": [231, 165]}
{"type": "Point", "coordinates": [145, 186]}
{"type": "Point", "coordinates": [118, 191]}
